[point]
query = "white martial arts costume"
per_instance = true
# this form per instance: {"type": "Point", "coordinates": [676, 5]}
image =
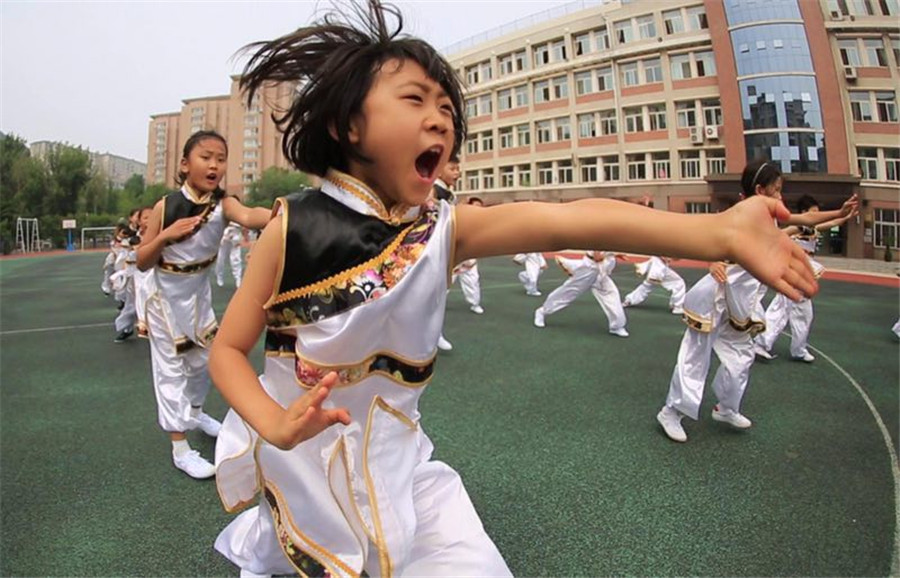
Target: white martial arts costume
{"type": "Point", "coordinates": [584, 274]}
{"type": "Point", "coordinates": [144, 287]}
{"type": "Point", "coordinates": [656, 271]}
{"type": "Point", "coordinates": [467, 274]}
{"type": "Point", "coordinates": [122, 282]}
{"type": "Point", "coordinates": [721, 317]}
{"type": "Point", "coordinates": [782, 310]}
{"type": "Point", "coordinates": [367, 496]}
{"type": "Point", "coordinates": [109, 267]}
{"type": "Point", "coordinates": [180, 316]}
{"type": "Point", "coordinates": [230, 250]}
{"type": "Point", "coordinates": [534, 263]}
{"type": "Point", "coordinates": [896, 328]}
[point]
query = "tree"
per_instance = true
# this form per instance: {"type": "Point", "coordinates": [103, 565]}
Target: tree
{"type": "Point", "coordinates": [70, 171]}
{"type": "Point", "coordinates": [275, 182]}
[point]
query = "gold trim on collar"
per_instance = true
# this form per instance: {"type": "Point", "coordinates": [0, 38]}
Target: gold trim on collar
{"type": "Point", "coordinates": [197, 199]}
{"type": "Point", "coordinates": [362, 192]}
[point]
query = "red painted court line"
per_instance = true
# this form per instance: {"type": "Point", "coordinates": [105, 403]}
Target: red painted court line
{"type": "Point", "coordinates": [51, 253]}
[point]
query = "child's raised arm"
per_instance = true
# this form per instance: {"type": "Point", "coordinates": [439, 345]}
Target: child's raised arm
{"type": "Point", "coordinates": [744, 234]}
{"type": "Point", "coordinates": [250, 217]}
{"type": "Point", "coordinates": [813, 218]}
{"type": "Point", "coordinates": [234, 376]}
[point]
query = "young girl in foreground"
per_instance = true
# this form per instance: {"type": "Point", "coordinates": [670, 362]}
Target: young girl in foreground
{"type": "Point", "coordinates": [350, 282]}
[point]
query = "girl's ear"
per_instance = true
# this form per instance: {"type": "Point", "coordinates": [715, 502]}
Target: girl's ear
{"type": "Point", "coordinates": [352, 132]}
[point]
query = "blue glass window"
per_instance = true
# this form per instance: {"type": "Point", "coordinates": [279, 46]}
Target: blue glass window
{"type": "Point", "coordinates": [771, 48]}
{"type": "Point", "coordinates": [780, 102]}
{"type": "Point", "coordinates": [743, 11]}
{"type": "Point", "coordinates": [795, 152]}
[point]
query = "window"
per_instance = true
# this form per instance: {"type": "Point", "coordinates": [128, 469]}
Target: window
{"type": "Point", "coordinates": [487, 178]}
{"type": "Point", "coordinates": [652, 71]}
{"type": "Point", "coordinates": [629, 74]}
{"type": "Point", "coordinates": [681, 66]}
{"type": "Point", "coordinates": [505, 64]}
{"type": "Point", "coordinates": [895, 46]}
{"type": "Point", "coordinates": [661, 168]}
{"type": "Point", "coordinates": [697, 208]}
{"type": "Point", "coordinates": [611, 168]}
{"type": "Point", "coordinates": [487, 141]}
{"type": "Point", "coordinates": [487, 71]}
{"type": "Point", "coordinates": [558, 51]}
{"type": "Point", "coordinates": [624, 32]}
{"type": "Point", "coordinates": [609, 123]}
{"type": "Point", "coordinates": [472, 145]}
{"type": "Point", "coordinates": [472, 75]}
{"type": "Point", "coordinates": [521, 95]}
{"type": "Point", "coordinates": [861, 106]}
{"type": "Point", "coordinates": [588, 169]}
{"type": "Point", "coordinates": [545, 173]}
{"type": "Point", "coordinates": [560, 88]}
{"type": "Point", "coordinates": [541, 55]}
{"type": "Point", "coordinates": [587, 128]}
{"type": "Point", "coordinates": [523, 135]}
{"type": "Point", "coordinates": [604, 79]}
{"type": "Point", "coordinates": [507, 177]}
{"type": "Point", "coordinates": [862, 7]}
{"type": "Point", "coordinates": [506, 137]}
{"type": "Point", "coordinates": [646, 26]}
{"type": "Point", "coordinates": [889, 7]}
{"type": "Point", "coordinates": [634, 119]}
{"type": "Point", "coordinates": [473, 183]}
{"type": "Point", "coordinates": [484, 104]}
{"type": "Point", "coordinates": [867, 159]}
{"type": "Point", "coordinates": [582, 44]}
{"type": "Point", "coordinates": [875, 53]}
{"type": "Point", "coordinates": [524, 175]}
{"type": "Point", "coordinates": [637, 169]}
{"type": "Point", "coordinates": [520, 60]}
{"type": "Point", "coordinates": [471, 107]}
{"type": "Point", "coordinates": [544, 131]}
{"type": "Point", "coordinates": [696, 18]}
{"type": "Point", "coordinates": [584, 83]}
{"type": "Point", "coordinates": [686, 114]}
{"type": "Point", "coordinates": [564, 172]}
{"type": "Point", "coordinates": [706, 63]}
{"type": "Point", "coordinates": [886, 227]}
{"type": "Point", "coordinates": [712, 112]}
{"type": "Point", "coordinates": [673, 21]}
{"type": "Point", "coordinates": [892, 164]}
{"type": "Point", "coordinates": [563, 129]}
{"type": "Point", "coordinates": [887, 106]}
{"type": "Point", "coordinates": [504, 99]}
{"type": "Point", "coordinates": [601, 39]}
{"type": "Point", "coordinates": [849, 52]}
{"type": "Point", "coordinates": [657, 114]}
{"type": "Point", "coordinates": [715, 161]}
{"type": "Point", "coordinates": [541, 91]}
{"type": "Point", "coordinates": [690, 165]}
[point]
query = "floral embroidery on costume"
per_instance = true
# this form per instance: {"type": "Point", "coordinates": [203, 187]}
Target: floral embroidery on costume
{"type": "Point", "coordinates": [309, 374]}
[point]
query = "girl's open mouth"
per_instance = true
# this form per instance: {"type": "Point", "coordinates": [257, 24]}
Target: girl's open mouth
{"type": "Point", "coordinates": [427, 162]}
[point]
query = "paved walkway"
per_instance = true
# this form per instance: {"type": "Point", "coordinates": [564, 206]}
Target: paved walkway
{"type": "Point", "coordinates": [870, 266]}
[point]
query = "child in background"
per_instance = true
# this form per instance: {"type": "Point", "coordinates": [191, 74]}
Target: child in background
{"type": "Point", "coordinates": [657, 272]}
{"type": "Point", "coordinates": [233, 239]}
{"type": "Point", "coordinates": [467, 273]}
{"type": "Point", "coordinates": [122, 282]}
{"type": "Point", "coordinates": [350, 283]}
{"type": "Point", "coordinates": [442, 191]}
{"type": "Point", "coordinates": [534, 264]}
{"type": "Point", "coordinates": [181, 242]}
{"type": "Point", "coordinates": [722, 314]}
{"type": "Point", "coordinates": [782, 311]}
{"type": "Point", "coordinates": [144, 281]}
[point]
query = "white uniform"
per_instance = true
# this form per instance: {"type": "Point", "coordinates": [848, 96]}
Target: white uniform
{"type": "Point", "coordinates": [721, 317]}
{"type": "Point", "coordinates": [182, 322]}
{"type": "Point", "coordinates": [109, 267]}
{"type": "Point", "coordinates": [584, 274]}
{"type": "Point", "coordinates": [469, 281]}
{"type": "Point", "coordinates": [534, 263]}
{"type": "Point", "coordinates": [367, 496]}
{"type": "Point", "coordinates": [782, 310]}
{"type": "Point", "coordinates": [122, 282]}
{"type": "Point", "coordinates": [656, 271]}
{"type": "Point", "coordinates": [230, 250]}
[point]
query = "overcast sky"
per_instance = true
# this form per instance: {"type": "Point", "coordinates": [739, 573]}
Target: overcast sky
{"type": "Point", "coordinates": [92, 73]}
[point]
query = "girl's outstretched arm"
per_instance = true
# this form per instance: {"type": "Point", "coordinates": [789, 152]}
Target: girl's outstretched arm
{"type": "Point", "coordinates": [236, 379]}
{"type": "Point", "coordinates": [812, 218]}
{"type": "Point", "coordinates": [745, 234]}
{"type": "Point", "coordinates": [250, 217]}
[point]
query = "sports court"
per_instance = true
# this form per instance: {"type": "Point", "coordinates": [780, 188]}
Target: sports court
{"type": "Point", "coordinates": [553, 431]}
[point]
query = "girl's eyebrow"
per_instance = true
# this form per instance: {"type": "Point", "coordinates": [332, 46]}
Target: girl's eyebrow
{"type": "Point", "coordinates": [425, 87]}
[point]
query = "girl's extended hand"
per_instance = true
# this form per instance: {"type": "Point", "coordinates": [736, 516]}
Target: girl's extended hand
{"type": "Point", "coordinates": [850, 206]}
{"type": "Point", "coordinates": [305, 417]}
{"type": "Point", "coordinates": [717, 270]}
{"type": "Point", "coordinates": [766, 252]}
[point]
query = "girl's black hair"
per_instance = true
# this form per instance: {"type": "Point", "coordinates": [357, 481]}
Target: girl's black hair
{"type": "Point", "coordinates": [192, 142]}
{"type": "Point", "coordinates": [806, 202]}
{"type": "Point", "coordinates": [335, 62]}
{"type": "Point", "coordinates": [758, 172]}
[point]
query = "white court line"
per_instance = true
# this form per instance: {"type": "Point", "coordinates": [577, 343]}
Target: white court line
{"type": "Point", "coordinates": [63, 328]}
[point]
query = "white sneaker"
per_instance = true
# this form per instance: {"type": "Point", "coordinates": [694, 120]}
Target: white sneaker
{"type": "Point", "coordinates": [730, 417]}
{"type": "Point", "coordinates": [220, 283]}
{"type": "Point", "coordinates": [443, 344]}
{"type": "Point", "coordinates": [477, 309]}
{"type": "Point", "coordinates": [807, 357]}
{"type": "Point", "coordinates": [626, 303]}
{"type": "Point", "coordinates": [620, 332]}
{"type": "Point", "coordinates": [761, 351]}
{"type": "Point", "coordinates": [677, 311]}
{"type": "Point", "coordinates": [670, 420]}
{"type": "Point", "coordinates": [539, 317]}
{"type": "Point", "coordinates": [209, 425]}
{"type": "Point", "coordinates": [249, 574]}
{"type": "Point", "coordinates": [194, 465]}
{"type": "Point", "coordinates": [534, 293]}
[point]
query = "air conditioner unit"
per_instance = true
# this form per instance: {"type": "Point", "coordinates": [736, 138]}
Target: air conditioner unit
{"type": "Point", "coordinates": [836, 15]}
{"type": "Point", "coordinates": [850, 72]}
{"type": "Point", "coordinates": [711, 132]}
{"type": "Point", "coordinates": [696, 135]}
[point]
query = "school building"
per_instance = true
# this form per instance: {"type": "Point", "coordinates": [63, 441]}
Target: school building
{"type": "Point", "coordinates": [670, 99]}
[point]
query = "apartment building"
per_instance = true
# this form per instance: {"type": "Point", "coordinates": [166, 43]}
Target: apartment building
{"type": "Point", "coordinates": [116, 168]}
{"type": "Point", "coordinates": [254, 142]}
{"type": "Point", "coordinates": [670, 99]}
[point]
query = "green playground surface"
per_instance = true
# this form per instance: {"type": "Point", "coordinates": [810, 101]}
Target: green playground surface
{"type": "Point", "coordinates": [553, 431]}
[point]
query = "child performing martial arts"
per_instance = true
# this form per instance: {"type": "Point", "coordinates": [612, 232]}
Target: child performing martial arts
{"type": "Point", "coordinates": [349, 281]}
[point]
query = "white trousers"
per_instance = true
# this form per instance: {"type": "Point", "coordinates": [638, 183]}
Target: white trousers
{"type": "Point", "coordinates": [127, 317]}
{"type": "Point", "coordinates": [180, 380]}
{"type": "Point", "coordinates": [781, 312]}
{"type": "Point", "coordinates": [673, 283]}
{"type": "Point", "coordinates": [896, 328]}
{"type": "Point", "coordinates": [602, 287]}
{"type": "Point", "coordinates": [529, 277]}
{"type": "Point", "coordinates": [735, 352]}
{"type": "Point", "coordinates": [231, 252]}
{"type": "Point", "coordinates": [470, 284]}
{"type": "Point", "coordinates": [449, 539]}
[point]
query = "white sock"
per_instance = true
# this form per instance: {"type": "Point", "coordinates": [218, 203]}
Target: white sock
{"type": "Point", "coordinates": [196, 411]}
{"type": "Point", "coordinates": [180, 447]}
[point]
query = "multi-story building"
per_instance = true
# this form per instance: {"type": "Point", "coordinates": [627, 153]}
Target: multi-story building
{"type": "Point", "coordinates": [671, 99]}
{"type": "Point", "coordinates": [116, 168]}
{"type": "Point", "coordinates": [254, 142]}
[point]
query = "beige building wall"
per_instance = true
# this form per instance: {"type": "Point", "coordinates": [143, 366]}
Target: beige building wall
{"type": "Point", "coordinates": [162, 149]}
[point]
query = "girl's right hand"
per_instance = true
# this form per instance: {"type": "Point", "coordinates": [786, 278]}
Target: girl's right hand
{"type": "Point", "coordinates": [305, 417]}
{"type": "Point", "coordinates": [180, 228]}
{"type": "Point", "coordinates": [717, 270]}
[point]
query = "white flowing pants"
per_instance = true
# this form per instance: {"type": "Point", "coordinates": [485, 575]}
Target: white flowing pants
{"type": "Point", "coordinates": [231, 252]}
{"type": "Point", "coordinates": [602, 287]}
{"type": "Point", "coordinates": [672, 282]}
{"type": "Point", "coordinates": [470, 284]}
{"type": "Point", "coordinates": [781, 312]}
